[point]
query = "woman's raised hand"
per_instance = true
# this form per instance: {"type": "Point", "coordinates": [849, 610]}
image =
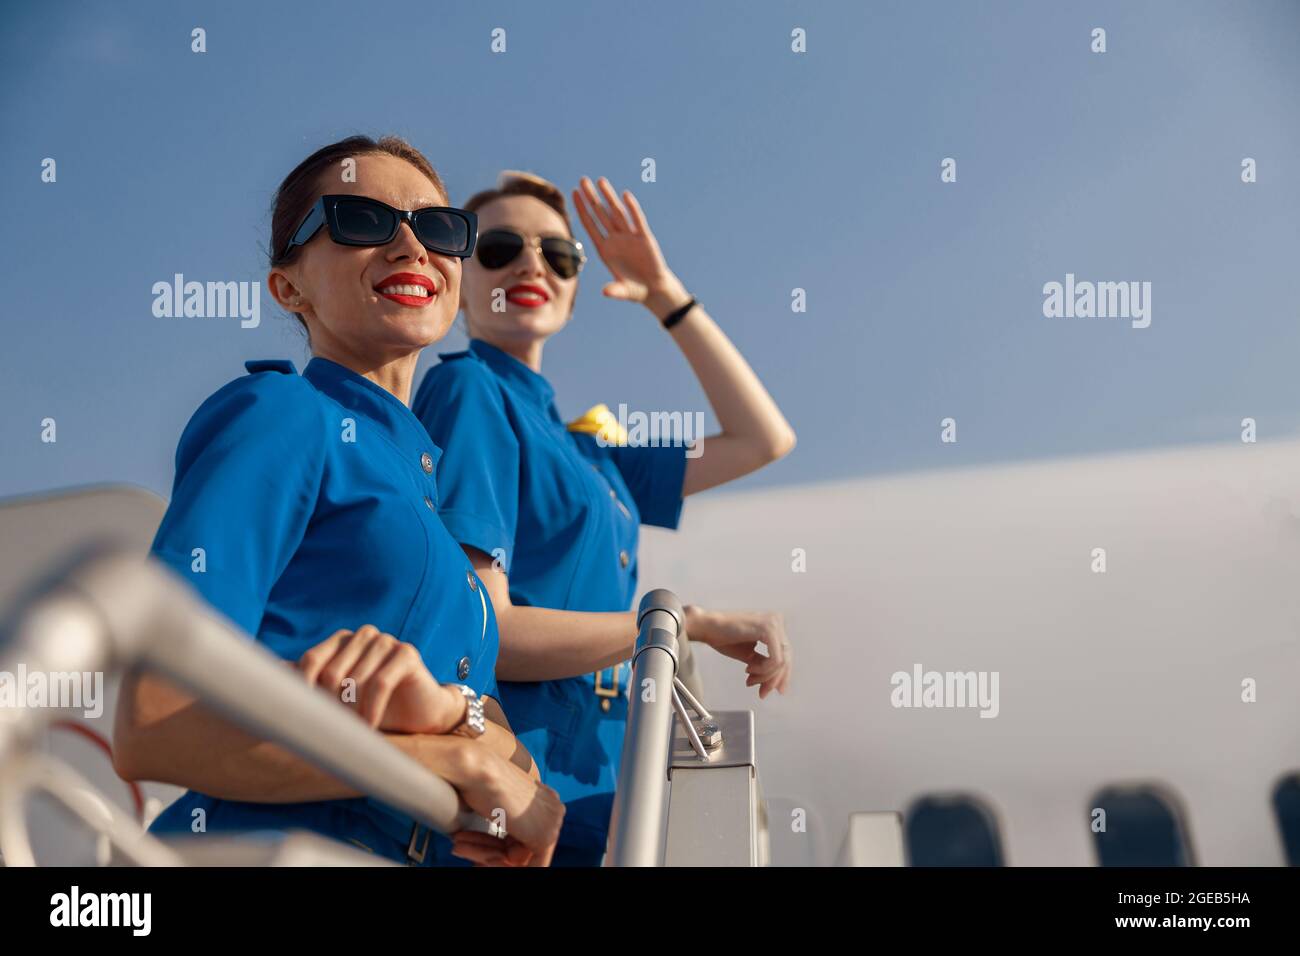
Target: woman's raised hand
{"type": "Point", "coordinates": [626, 245]}
{"type": "Point", "coordinates": [384, 680]}
{"type": "Point", "coordinates": [737, 634]}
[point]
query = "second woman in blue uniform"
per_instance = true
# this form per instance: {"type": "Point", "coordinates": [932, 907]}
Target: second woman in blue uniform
{"type": "Point", "coordinates": [549, 514]}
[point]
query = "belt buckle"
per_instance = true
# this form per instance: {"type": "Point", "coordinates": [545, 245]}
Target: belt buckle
{"type": "Point", "coordinates": [608, 693]}
{"type": "Point", "coordinates": [414, 856]}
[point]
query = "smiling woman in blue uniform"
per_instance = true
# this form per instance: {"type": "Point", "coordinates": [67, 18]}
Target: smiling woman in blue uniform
{"type": "Point", "coordinates": [305, 510]}
{"type": "Point", "coordinates": [550, 514]}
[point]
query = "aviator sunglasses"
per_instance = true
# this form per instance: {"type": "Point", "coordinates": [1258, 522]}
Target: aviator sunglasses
{"type": "Point", "coordinates": [500, 247]}
{"type": "Point", "coordinates": [360, 221]}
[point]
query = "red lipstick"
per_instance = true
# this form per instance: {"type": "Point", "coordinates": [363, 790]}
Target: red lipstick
{"type": "Point", "coordinates": [408, 297]}
{"type": "Point", "coordinates": [527, 295]}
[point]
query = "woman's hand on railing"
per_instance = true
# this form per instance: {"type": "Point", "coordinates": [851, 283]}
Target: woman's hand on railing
{"type": "Point", "coordinates": [737, 634]}
{"type": "Point", "coordinates": [528, 811]}
{"type": "Point", "coordinates": [393, 691]}
{"type": "Point", "coordinates": [390, 687]}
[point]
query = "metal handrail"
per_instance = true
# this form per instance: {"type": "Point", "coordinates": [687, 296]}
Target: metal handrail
{"type": "Point", "coordinates": [118, 611]}
{"type": "Point", "coordinates": [636, 832]}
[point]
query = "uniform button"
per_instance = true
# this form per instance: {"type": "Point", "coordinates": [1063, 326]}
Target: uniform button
{"type": "Point", "coordinates": [623, 558]}
{"type": "Point", "coordinates": [429, 501]}
{"type": "Point", "coordinates": [426, 462]}
{"type": "Point", "coordinates": [473, 581]}
{"type": "Point", "coordinates": [621, 507]}
{"type": "Point", "coordinates": [604, 703]}
{"type": "Point", "coordinates": [462, 668]}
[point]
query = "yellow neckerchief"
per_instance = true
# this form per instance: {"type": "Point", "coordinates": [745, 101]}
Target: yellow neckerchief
{"type": "Point", "coordinates": [600, 421]}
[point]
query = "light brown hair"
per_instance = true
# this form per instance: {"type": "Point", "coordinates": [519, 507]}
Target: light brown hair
{"type": "Point", "coordinates": [514, 182]}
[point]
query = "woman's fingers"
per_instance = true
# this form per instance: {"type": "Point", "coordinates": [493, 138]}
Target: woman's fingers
{"type": "Point", "coordinates": [346, 655]}
{"type": "Point", "coordinates": [538, 826]}
{"type": "Point", "coordinates": [627, 291]}
{"type": "Point", "coordinates": [787, 657]}
{"type": "Point", "coordinates": [739, 635]}
{"type": "Point", "coordinates": [510, 854]}
{"type": "Point", "coordinates": [764, 667]}
{"type": "Point", "coordinates": [508, 851]}
{"type": "Point", "coordinates": [617, 214]}
{"type": "Point", "coordinates": [635, 213]}
{"type": "Point", "coordinates": [588, 223]}
{"type": "Point", "coordinates": [765, 673]}
{"type": "Point", "coordinates": [597, 207]}
{"type": "Point", "coordinates": [775, 642]}
{"type": "Point", "coordinates": [782, 679]}
{"type": "Point", "coordinates": [774, 673]}
{"type": "Point", "coordinates": [370, 661]}
{"type": "Point", "coordinates": [533, 811]}
{"type": "Point", "coordinates": [478, 854]}
{"type": "Point", "coordinates": [378, 664]}
{"type": "Point", "coordinates": [542, 859]}
{"type": "Point", "coordinates": [746, 653]}
{"type": "Point", "coordinates": [398, 664]}
{"type": "Point", "coordinates": [317, 657]}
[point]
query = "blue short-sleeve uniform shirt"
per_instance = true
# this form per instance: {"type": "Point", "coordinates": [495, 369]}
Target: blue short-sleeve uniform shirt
{"type": "Point", "coordinates": [303, 504]}
{"type": "Point", "coordinates": [561, 513]}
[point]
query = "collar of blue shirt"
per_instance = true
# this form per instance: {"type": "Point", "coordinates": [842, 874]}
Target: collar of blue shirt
{"type": "Point", "coordinates": [357, 393]}
{"type": "Point", "coordinates": [514, 372]}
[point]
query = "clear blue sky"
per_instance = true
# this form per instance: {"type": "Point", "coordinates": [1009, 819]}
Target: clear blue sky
{"type": "Point", "coordinates": [775, 171]}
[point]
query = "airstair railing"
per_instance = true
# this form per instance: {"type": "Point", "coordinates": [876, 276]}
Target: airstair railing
{"type": "Point", "coordinates": [116, 611]}
{"type": "Point", "coordinates": [639, 822]}
{"type": "Point", "coordinates": [636, 829]}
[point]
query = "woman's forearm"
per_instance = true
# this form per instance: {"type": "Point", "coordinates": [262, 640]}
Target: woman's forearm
{"type": "Point", "coordinates": [504, 744]}
{"type": "Point", "coordinates": [501, 739]}
{"type": "Point", "coordinates": [165, 735]}
{"type": "Point", "coordinates": [539, 643]}
{"type": "Point", "coordinates": [754, 432]}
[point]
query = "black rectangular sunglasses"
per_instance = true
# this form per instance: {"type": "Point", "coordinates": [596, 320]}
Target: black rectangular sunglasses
{"type": "Point", "coordinates": [361, 221]}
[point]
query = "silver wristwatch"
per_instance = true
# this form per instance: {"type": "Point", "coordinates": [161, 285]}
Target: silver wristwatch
{"type": "Point", "coordinates": [473, 724]}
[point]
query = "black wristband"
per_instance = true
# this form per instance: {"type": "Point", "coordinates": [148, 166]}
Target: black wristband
{"type": "Point", "coordinates": [678, 314]}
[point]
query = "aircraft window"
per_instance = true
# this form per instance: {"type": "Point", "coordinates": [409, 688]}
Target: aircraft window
{"type": "Point", "coordinates": [1286, 804]}
{"type": "Point", "coordinates": [957, 830]}
{"type": "Point", "coordinates": [1142, 827]}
